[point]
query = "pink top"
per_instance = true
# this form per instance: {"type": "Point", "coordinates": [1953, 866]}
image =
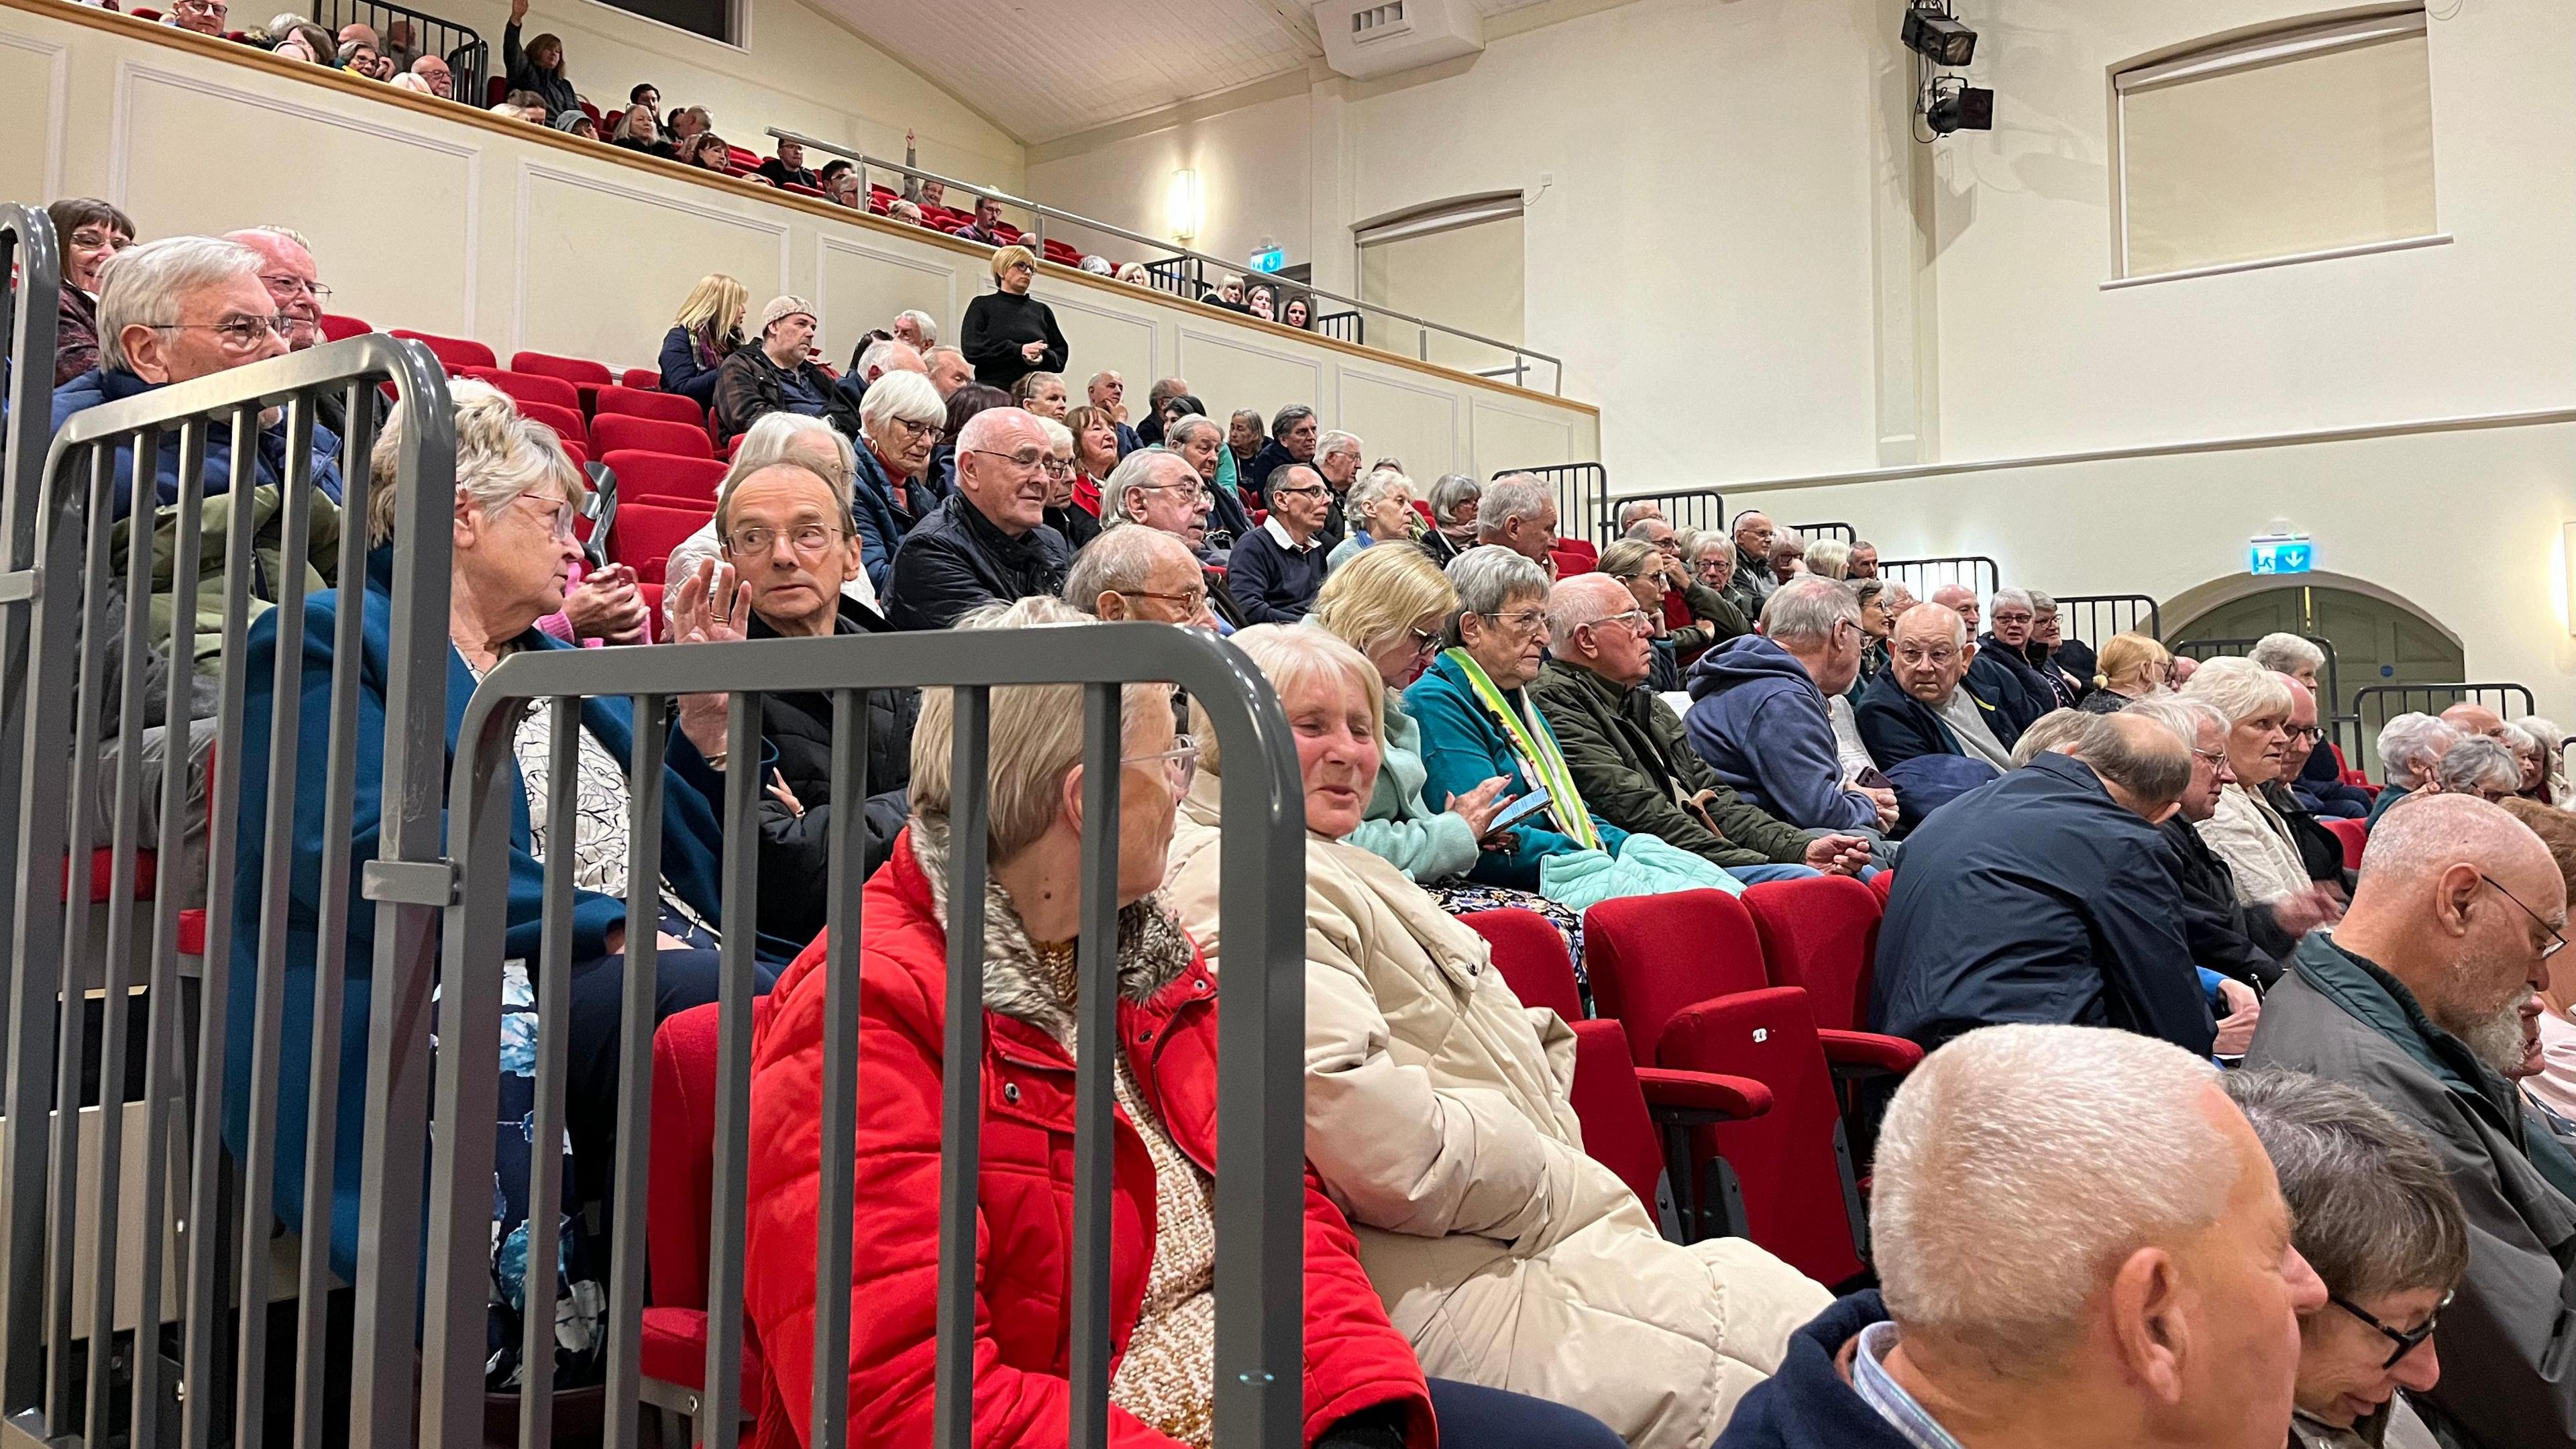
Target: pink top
{"type": "Point", "coordinates": [2555, 1086]}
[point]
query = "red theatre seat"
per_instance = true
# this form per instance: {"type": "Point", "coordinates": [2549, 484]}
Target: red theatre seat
{"type": "Point", "coordinates": [2354, 834]}
{"type": "Point", "coordinates": [565, 421]}
{"type": "Point", "coordinates": [644, 535]}
{"type": "Point", "coordinates": [659, 478]}
{"type": "Point", "coordinates": [613, 431]}
{"type": "Point", "coordinates": [641, 379]}
{"type": "Point", "coordinates": [1531, 956]}
{"type": "Point", "coordinates": [1820, 934]}
{"type": "Point", "coordinates": [668, 407]}
{"type": "Point", "coordinates": [340, 329]}
{"type": "Point", "coordinates": [586, 377]}
{"type": "Point", "coordinates": [1581, 549]}
{"type": "Point", "coordinates": [526, 387]}
{"type": "Point", "coordinates": [456, 352]}
{"type": "Point", "coordinates": [679, 1229]}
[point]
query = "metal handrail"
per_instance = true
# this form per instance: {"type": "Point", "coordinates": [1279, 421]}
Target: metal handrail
{"type": "Point", "coordinates": [1040, 209]}
{"type": "Point", "coordinates": [1917, 574]}
{"type": "Point", "coordinates": [2139, 609]}
{"type": "Point", "coordinates": [467, 53]}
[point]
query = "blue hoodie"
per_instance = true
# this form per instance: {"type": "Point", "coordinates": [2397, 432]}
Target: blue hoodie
{"type": "Point", "coordinates": [1762, 724]}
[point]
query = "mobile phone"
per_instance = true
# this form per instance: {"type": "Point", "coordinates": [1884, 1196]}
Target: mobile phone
{"type": "Point", "coordinates": [1519, 810]}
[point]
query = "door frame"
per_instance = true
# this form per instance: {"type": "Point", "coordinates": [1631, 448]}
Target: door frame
{"type": "Point", "coordinates": [2187, 608]}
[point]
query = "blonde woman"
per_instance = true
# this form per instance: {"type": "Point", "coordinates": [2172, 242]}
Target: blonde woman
{"type": "Point", "coordinates": [1829, 558]}
{"type": "Point", "coordinates": [2130, 667]}
{"type": "Point", "coordinates": [705, 333]}
{"type": "Point", "coordinates": [1008, 333]}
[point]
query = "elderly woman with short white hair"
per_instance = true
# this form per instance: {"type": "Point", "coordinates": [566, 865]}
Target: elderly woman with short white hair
{"type": "Point", "coordinates": [1829, 558]}
{"type": "Point", "coordinates": [2481, 766]}
{"type": "Point", "coordinates": [1454, 499]}
{"type": "Point", "coordinates": [1380, 510]}
{"type": "Point", "coordinates": [2553, 744]}
{"type": "Point", "coordinates": [1078, 525]}
{"type": "Point", "coordinates": [2411, 747]}
{"type": "Point", "coordinates": [2246, 831]}
{"type": "Point", "coordinates": [1437, 1114]}
{"type": "Point", "coordinates": [777, 438]}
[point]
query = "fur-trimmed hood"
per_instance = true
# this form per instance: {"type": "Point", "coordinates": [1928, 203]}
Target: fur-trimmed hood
{"type": "Point", "coordinates": [1153, 950]}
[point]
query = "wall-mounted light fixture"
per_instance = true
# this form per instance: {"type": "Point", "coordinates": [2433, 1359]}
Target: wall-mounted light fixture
{"type": "Point", "coordinates": [1186, 205]}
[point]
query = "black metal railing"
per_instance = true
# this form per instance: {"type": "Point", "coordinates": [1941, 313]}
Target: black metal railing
{"type": "Point", "coordinates": [1350, 326]}
{"type": "Point", "coordinates": [2096, 617]}
{"type": "Point", "coordinates": [1974, 572]}
{"type": "Point", "coordinates": [1813, 531]}
{"type": "Point", "coordinates": [2374, 705]}
{"type": "Point", "coordinates": [468, 55]}
{"type": "Point", "coordinates": [1181, 277]}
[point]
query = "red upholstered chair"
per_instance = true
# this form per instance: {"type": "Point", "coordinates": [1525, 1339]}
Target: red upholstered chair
{"type": "Point", "coordinates": [644, 535]}
{"type": "Point", "coordinates": [339, 329]}
{"type": "Point", "coordinates": [1531, 956]}
{"type": "Point", "coordinates": [527, 387]}
{"type": "Point", "coordinates": [668, 407]}
{"type": "Point", "coordinates": [1570, 564]}
{"type": "Point", "coordinates": [1581, 549]}
{"type": "Point", "coordinates": [1820, 934]}
{"type": "Point", "coordinates": [2354, 834]}
{"type": "Point", "coordinates": [456, 352]}
{"type": "Point", "coordinates": [659, 478]}
{"type": "Point", "coordinates": [574, 370]}
{"type": "Point", "coordinates": [1685, 974]}
{"type": "Point", "coordinates": [1879, 885]}
{"type": "Point", "coordinates": [677, 1232]}
{"type": "Point", "coordinates": [565, 421]}
{"type": "Point", "coordinates": [613, 431]}
{"type": "Point", "coordinates": [641, 379]}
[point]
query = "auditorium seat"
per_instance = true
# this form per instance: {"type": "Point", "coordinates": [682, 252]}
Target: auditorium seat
{"type": "Point", "coordinates": [640, 379]}
{"type": "Point", "coordinates": [586, 377]}
{"type": "Point", "coordinates": [668, 407]}
{"type": "Point", "coordinates": [1820, 934]}
{"type": "Point", "coordinates": [526, 387]}
{"type": "Point", "coordinates": [1568, 564]}
{"type": "Point", "coordinates": [659, 478]}
{"type": "Point", "coordinates": [613, 431]}
{"type": "Point", "coordinates": [2354, 834]}
{"type": "Point", "coordinates": [1590, 556]}
{"type": "Point", "coordinates": [455, 352]}
{"type": "Point", "coordinates": [340, 329]}
{"type": "Point", "coordinates": [680, 1225]}
{"type": "Point", "coordinates": [644, 535]}
{"type": "Point", "coordinates": [565, 421]}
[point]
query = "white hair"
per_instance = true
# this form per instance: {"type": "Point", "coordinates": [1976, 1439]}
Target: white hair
{"type": "Point", "coordinates": [501, 456]}
{"type": "Point", "coordinates": [1828, 558]}
{"type": "Point", "coordinates": [1636, 511]}
{"type": "Point", "coordinates": [1489, 577]}
{"type": "Point", "coordinates": [2001, 597]}
{"type": "Point", "coordinates": [1584, 599]}
{"type": "Point", "coordinates": [1290, 655]}
{"type": "Point", "coordinates": [2414, 741]}
{"type": "Point", "coordinates": [903, 396]}
{"type": "Point", "coordinates": [1805, 611]}
{"type": "Point", "coordinates": [2020, 1165]}
{"type": "Point", "coordinates": [1958, 625]}
{"type": "Point", "coordinates": [1515, 495]}
{"type": "Point", "coordinates": [784, 437]}
{"type": "Point", "coordinates": [924, 323]}
{"type": "Point", "coordinates": [2239, 687]}
{"type": "Point", "coordinates": [1336, 441]}
{"type": "Point", "coordinates": [1121, 560]}
{"type": "Point", "coordinates": [2480, 762]}
{"type": "Point", "coordinates": [2286, 653]}
{"type": "Point", "coordinates": [1134, 471]}
{"type": "Point", "coordinates": [148, 286]}
{"type": "Point", "coordinates": [2181, 713]}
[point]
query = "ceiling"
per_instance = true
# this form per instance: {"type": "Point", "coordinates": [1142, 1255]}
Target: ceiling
{"type": "Point", "coordinates": [1046, 69]}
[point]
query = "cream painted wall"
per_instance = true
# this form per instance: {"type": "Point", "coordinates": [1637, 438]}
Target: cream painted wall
{"type": "Point", "coordinates": [1253, 172]}
{"type": "Point", "coordinates": [524, 240]}
{"type": "Point", "coordinates": [800, 71]}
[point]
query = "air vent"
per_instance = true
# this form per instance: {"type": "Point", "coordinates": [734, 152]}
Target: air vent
{"type": "Point", "coordinates": [1379, 22]}
{"type": "Point", "coordinates": [1364, 39]}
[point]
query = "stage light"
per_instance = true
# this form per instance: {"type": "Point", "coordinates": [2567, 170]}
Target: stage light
{"type": "Point", "coordinates": [1934, 34]}
{"type": "Point", "coordinates": [1960, 108]}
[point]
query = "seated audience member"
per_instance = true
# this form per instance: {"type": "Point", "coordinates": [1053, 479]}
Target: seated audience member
{"type": "Point", "coordinates": [2066, 665]}
{"type": "Point", "coordinates": [1150, 431]}
{"type": "Point", "coordinates": [517, 495]}
{"type": "Point", "coordinates": [1454, 500]}
{"type": "Point", "coordinates": [2423, 997]}
{"type": "Point", "coordinates": [91, 232]}
{"type": "Point", "coordinates": [986, 228]}
{"type": "Point", "coordinates": [406, 81]}
{"type": "Point", "coordinates": [2247, 831]}
{"type": "Point", "coordinates": [2044, 897]}
{"type": "Point", "coordinates": [2055, 730]}
{"type": "Point", "coordinates": [1638, 511]}
{"type": "Point", "coordinates": [1157, 489]}
{"type": "Point", "coordinates": [2526, 754]}
{"type": "Point", "coordinates": [2376, 1219]}
{"type": "Point", "coordinates": [1337, 461]}
{"type": "Point", "coordinates": [1007, 332]}
{"type": "Point", "coordinates": [360, 59]}
{"type": "Point", "coordinates": [684, 125]}
{"type": "Point", "coordinates": [1041, 393]}
{"type": "Point", "coordinates": [963, 404]}
{"type": "Point", "coordinates": [203, 17]}
{"type": "Point", "coordinates": [2552, 1086]}
{"type": "Point", "coordinates": [1361, 1379]}
{"type": "Point", "coordinates": [915, 329]}
{"type": "Point", "coordinates": [987, 542]}
{"type": "Point", "coordinates": [577, 125]}
{"type": "Point", "coordinates": [2131, 667]}
{"type": "Point", "coordinates": [1276, 569]}
{"type": "Point", "coordinates": [707, 331]}
{"type": "Point", "coordinates": [531, 106]}
{"type": "Point", "coordinates": [2006, 642]}
{"type": "Point", "coordinates": [776, 373]}
{"type": "Point", "coordinates": [1863, 562]}
{"type": "Point", "coordinates": [638, 130]}
{"type": "Point", "coordinates": [1107, 391]}
{"type": "Point", "coordinates": [949, 370]}
{"type": "Point", "coordinates": [2474, 719]}
{"type": "Point", "coordinates": [1246, 438]}
{"type": "Point", "coordinates": [2481, 766]}
{"type": "Point", "coordinates": [294, 283]}
{"type": "Point", "coordinates": [1922, 705]}
{"type": "Point", "coordinates": [899, 423]}
{"type": "Point", "coordinates": [2411, 748]}
{"type": "Point", "coordinates": [1828, 558]}
{"type": "Point", "coordinates": [1295, 312]}
{"type": "Point", "coordinates": [2314, 774]}
{"type": "Point", "coordinates": [1647, 575]}
{"type": "Point", "coordinates": [1380, 510]}
{"type": "Point", "coordinates": [1262, 301]}
{"type": "Point", "coordinates": [1752, 582]}
{"type": "Point", "coordinates": [539, 67]}
{"type": "Point", "coordinates": [311, 44]}
{"type": "Point", "coordinates": [874, 360]}
{"type": "Point", "coordinates": [1518, 512]}
{"type": "Point", "coordinates": [1294, 435]}
{"type": "Point", "coordinates": [1625, 748]}
{"type": "Point", "coordinates": [1991, 677]}
{"type": "Point", "coordinates": [2320, 849]}
{"type": "Point", "coordinates": [1711, 557]}
{"type": "Point", "coordinates": [1095, 454]}
{"type": "Point", "coordinates": [1437, 1119]}
{"type": "Point", "coordinates": [1962, 601]}
{"type": "Point", "coordinates": [1134, 274]}
{"type": "Point", "coordinates": [649, 96]}
{"type": "Point", "coordinates": [1698, 613]}
{"type": "Point", "coordinates": [842, 189]}
{"type": "Point", "coordinates": [1195, 438]}
{"type": "Point", "coordinates": [1788, 555]}
{"type": "Point", "coordinates": [708, 152]}
{"type": "Point", "coordinates": [1877, 627]}
{"type": "Point", "coordinates": [787, 168]}
{"type": "Point", "coordinates": [2245, 943]}
{"type": "Point", "coordinates": [1078, 525]}
{"type": "Point", "coordinates": [2552, 788]}
{"type": "Point", "coordinates": [1758, 714]}
{"type": "Point", "coordinates": [792, 438]}
{"type": "Point", "coordinates": [1140, 575]}
{"type": "Point", "coordinates": [785, 529]}
{"type": "Point", "coordinates": [905, 212]}
{"type": "Point", "coordinates": [435, 74]}
{"type": "Point", "coordinates": [2141, 1290]}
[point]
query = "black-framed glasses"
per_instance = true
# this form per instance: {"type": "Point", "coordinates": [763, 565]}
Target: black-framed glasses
{"type": "Point", "coordinates": [2310, 733]}
{"type": "Point", "coordinates": [2557, 942]}
{"type": "Point", "coordinates": [921, 432]}
{"type": "Point", "coordinates": [1315, 492]}
{"type": "Point", "coordinates": [1425, 641]}
{"type": "Point", "coordinates": [2407, 1340]}
{"type": "Point", "coordinates": [809, 540]}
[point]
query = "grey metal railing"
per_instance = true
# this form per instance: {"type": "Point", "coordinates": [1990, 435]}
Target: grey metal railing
{"type": "Point", "coordinates": [1813, 531]}
{"type": "Point", "coordinates": [2374, 705]}
{"type": "Point", "coordinates": [2096, 617]}
{"type": "Point", "coordinates": [1041, 213]}
{"type": "Point", "coordinates": [1260, 1104]}
{"type": "Point", "coordinates": [65, 593]}
{"type": "Point", "coordinates": [1974, 572]}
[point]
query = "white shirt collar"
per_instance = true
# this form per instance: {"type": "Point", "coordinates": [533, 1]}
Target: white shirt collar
{"type": "Point", "coordinates": [1276, 531]}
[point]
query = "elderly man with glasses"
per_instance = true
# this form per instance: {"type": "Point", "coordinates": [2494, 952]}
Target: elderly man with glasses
{"type": "Point", "coordinates": [1277, 569]}
{"type": "Point", "coordinates": [205, 17]}
{"type": "Point", "coordinates": [1159, 490]}
{"type": "Point", "coordinates": [2427, 999]}
{"type": "Point", "coordinates": [987, 542]}
{"type": "Point", "coordinates": [1625, 748]}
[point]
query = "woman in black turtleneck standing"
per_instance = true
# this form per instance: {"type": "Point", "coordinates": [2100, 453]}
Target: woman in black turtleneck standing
{"type": "Point", "coordinates": [1008, 332]}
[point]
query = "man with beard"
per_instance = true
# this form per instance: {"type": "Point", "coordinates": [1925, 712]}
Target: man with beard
{"type": "Point", "coordinates": [2426, 998]}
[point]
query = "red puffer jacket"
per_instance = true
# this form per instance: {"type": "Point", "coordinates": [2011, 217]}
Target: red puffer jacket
{"type": "Point", "coordinates": [1024, 1225]}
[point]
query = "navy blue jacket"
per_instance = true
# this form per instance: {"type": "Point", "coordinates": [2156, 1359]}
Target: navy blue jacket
{"type": "Point", "coordinates": [2320, 787]}
{"type": "Point", "coordinates": [1128, 441]}
{"type": "Point", "coordinates": [2038, 899]}
{"type": "Point", "coordinates": [1762, 724]}
{"type": "Point", "coordinates": [692, 861]}
{"type": "Point", "coordinates": [99, 385]}
{"type": "Point", "coordinates": [2008, 693]}
{"type": "Point", "coordinates": [1807, 1404]}
{"type": "Point", "coordinates": [1272, 585]}
{"type": "Point", "coordinates": [881, 521]}
{"type": "Point", "coordinates": [1898, 727]}
{"type": "Point", "coordinates": [684, 371]}
{"type": "Point", "coordinates": [1274, 455]}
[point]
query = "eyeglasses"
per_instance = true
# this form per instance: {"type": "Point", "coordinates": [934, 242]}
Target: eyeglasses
{"type": "Point", "coordinates": [241, 334]}
{"type": "Point", "coordinates": [1058, 467]}
{"type": "Point", "coordinates": [292, 285]}
{"type": "Point", "coordinates": [920, 432]}
{"type": "Point", "coordinates": [200, 7]}
{"type": "Point", "coordinates": [1528, 621]}
{"type": "Point", "coordinates": [1181, 760]}
{"type": "Point", "coordinates": [1635, 621]}
{"type": "Point", "coordinates": [2407, 1340]}
{"type": "Point", "coordinates": [2310, 733]}
{"type": "Point", "coordinates": [1192, 603]}
{"type": "Point", "coordinates": [2557, 942]}
{"type": "Point", "coordinates": [561, 514]}
{"type": "Point", "coordinates": [1424, 641]}
{"type": "Point", "coordinates": [1027, 462]}
{"type": "Point", "coordinates": [1315, 492]}
{"type": "Point", "coordinates": [90, 236]}
{"type": "Point", "coordinates": [808, 540]}
{"type": "Point", "coordinates": [1939, 658]}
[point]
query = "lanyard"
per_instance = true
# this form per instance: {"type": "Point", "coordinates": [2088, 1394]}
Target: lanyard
{"type": "Point", "coordinates": [1537, 751]}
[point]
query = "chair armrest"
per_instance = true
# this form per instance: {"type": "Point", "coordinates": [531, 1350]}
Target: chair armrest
{"type": "Point", "coordinates": [1868, 1053]}
{"type": "Point", "coordinates": [1673, 1095]}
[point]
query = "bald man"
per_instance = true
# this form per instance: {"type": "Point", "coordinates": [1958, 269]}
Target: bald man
{"type": "Point", "coordinates": [2426, 998]}
{"type": "Point", "coordinates": [2474, 719]}
{"type": "Point", "coordinates": [988, 541]}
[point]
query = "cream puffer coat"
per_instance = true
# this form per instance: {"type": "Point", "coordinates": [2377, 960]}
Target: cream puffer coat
{"type": "Point", "coordinates": [1437, 1117]}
